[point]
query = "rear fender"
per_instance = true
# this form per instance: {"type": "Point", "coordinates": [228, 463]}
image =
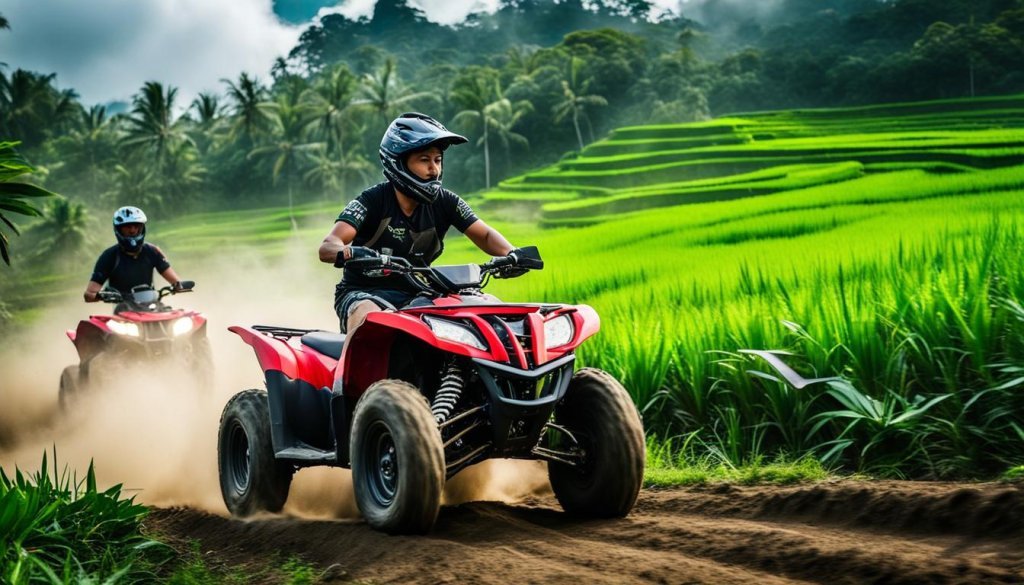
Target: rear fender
{"type": "Point", "coordinates": [277, 355]}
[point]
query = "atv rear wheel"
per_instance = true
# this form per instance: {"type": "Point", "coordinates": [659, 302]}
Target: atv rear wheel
{"type": "Point", "coordinates": [69, 384]}
{"type": "Point", "coordinates": [397, 459]}
{"type": "Point", "coordinates": [251, 479]}
{"type": "Point", "coordinates": [598, 411]}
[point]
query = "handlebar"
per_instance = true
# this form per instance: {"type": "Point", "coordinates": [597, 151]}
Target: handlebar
{"type": "Point", "coordinates": [115, 296]}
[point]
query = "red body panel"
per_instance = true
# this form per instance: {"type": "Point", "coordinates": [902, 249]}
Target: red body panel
{"type": "Point", "coordinates": [293, 360]}
{"type": "Point", "coordinates": [367, 353]}
{"type": "Point", "coordinates": [91, 334]}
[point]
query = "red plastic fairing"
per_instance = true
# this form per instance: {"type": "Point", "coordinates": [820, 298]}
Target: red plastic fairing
{"type": "Point", "coordinates": [71, 334]}
{"type": "Point", "coordinates": [292, 360]}
{"type": "Point", "coordinates": [150, 317]}
{"type": "Point", "coordinates": [366, 357]}
{"type": "Point", "coordinates": [585, 324]}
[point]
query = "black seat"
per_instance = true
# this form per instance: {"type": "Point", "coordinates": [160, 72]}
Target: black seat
{"type": "Point", "coordinates": [326, 343]}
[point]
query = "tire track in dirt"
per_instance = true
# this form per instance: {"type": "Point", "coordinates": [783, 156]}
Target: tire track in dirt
{"type": "Point", "coordinates": [833, 533]}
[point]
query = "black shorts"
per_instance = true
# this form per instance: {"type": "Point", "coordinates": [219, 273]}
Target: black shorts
{"type": "Point", "coordinates": [346, 298]}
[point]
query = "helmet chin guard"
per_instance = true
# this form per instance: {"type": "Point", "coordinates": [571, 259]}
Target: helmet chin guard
{"type": "Point", "coordinates": [408, 133]}
{"type": "Point", "coordinates": [128, 215]}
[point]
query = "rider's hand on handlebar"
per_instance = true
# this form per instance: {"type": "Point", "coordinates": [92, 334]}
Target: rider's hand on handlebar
{"type": "Point", "coordinates": [355, 253]}
{"type": "Point", "coordinates": [512, 268]}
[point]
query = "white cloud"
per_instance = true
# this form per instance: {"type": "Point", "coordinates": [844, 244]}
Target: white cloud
{"type": "Point", "coordinates": [106, 49]}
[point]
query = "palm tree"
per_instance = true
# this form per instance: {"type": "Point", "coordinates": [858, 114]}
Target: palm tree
{"type": "Point", "coordinates": [504, 116]}
{"type": "Point", "coordinates": [288, 147]}
{"type": "Point", "coordinates": [65, 226]}
{"type": "Point", "coordinates": [384, 94]}
{"type": "Point", "coordinates": [331, 100]}
{"type": "Point", "coordinates": [208, 111]}
{"type": "Point", "coordinates": [249, 108]}
{"type": "Point", "coordinates": [4, 23]}
{"type": "Point", "coordinates": [23, 105]}
{"type": "Point", "coordinates": [93, 143]}
{"type": "Point", "coordinates": [576, 101]}
{"type": "Point", "coordinates": [13, 194]}
{"type": "Point", "coordinates": [523, 61]}
{"type": "Point", "coordinates": [331, 173]}
{"type": "Point", "coordinates": [474, 93]}
{"type": "Point", "coordinates": [152, 129]}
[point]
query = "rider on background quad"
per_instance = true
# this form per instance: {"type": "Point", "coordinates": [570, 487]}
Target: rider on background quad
{"type": "Point", "coordinates": [131, 261]}
{"type": "Point", "coordinates": [406, 216]}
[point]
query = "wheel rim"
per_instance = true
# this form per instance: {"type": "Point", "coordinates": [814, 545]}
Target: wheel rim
{"type": "Point", "coordinates": [238, 458]}
{"type": "Point", "coordinates": [382, 464]}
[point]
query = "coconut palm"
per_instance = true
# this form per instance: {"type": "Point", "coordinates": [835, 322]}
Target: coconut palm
{"type": "Point", "coordinates": [152, 131]}
{"type": "Point", "coordinates": [249, 108]}
{"type": "Point", "coordinates": [384, 93]}
{"type": "Point", "coordinates": [331, 100]}
{"type": "Point", "coordinates": [24, 100]}
{"type": "Point", "coordinates": [504, 116]}
{"type": "Point", "coordinates": [331, 173]}
{"type": "Point", "coordinates": [65, 226]}
{"type": "Point", "coordinates": [92, 144]}
{"type": "Point", "coordinates": [575, 100]}
{"type": "Point", "coordinates": [208, 115]}
{"type": "Point", "coordinates": [289, 147]}
{"type": "Point", "coordinates": [13, 194]}
{"type": "Point", "coordinates": [473, 93]}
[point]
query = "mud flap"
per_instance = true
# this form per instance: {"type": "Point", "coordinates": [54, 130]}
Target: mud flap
{"type": "Point", "coordinates": [339, 427]}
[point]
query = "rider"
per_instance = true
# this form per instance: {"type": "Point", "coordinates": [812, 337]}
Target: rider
{"type": "Point", "coordinates": [406, 216]}
{"type": "Point", "coordinates": [131, 261]}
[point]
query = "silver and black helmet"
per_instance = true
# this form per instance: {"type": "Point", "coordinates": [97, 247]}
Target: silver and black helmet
{"type": "Point", "coordinates": [126, 215]}
{"type": "Point", "coordinates": [408, 133]}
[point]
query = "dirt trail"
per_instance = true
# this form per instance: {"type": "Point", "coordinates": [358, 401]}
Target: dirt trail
{"type": "Point", "coordinates": [834, 533]}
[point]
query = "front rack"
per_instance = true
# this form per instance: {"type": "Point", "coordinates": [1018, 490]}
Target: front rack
{"type": "Point", "coordinates": [283, 332]}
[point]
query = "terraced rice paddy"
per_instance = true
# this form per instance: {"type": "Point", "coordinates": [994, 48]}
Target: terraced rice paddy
{"type": "Point", "coordinates": [881, 244]}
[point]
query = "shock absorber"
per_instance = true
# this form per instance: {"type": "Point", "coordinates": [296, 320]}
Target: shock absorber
{"type": "Point", "coordinates": [448, 393]}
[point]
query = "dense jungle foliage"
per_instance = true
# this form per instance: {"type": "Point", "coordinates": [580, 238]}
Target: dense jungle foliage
{"type": "Point", "coordinates": [530, 83]}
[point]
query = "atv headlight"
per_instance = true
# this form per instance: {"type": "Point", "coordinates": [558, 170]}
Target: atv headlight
{"type": "Point", "coordinates": [182, 326]}
{"type": "Point", "coordinates": [452, 331]}
{"type": "Point", "coordinates": [558, 331]}
{"type": "Point", "coordinates": [123, 328]}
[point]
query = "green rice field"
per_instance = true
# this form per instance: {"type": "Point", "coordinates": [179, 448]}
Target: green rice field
{"type": "Point", "coordinates": [881, 245]}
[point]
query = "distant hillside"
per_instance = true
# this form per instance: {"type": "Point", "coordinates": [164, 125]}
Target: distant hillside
{"type": "Point", "coordinates": [641, 167]}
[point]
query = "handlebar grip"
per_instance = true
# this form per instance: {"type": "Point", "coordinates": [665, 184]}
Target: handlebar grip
{"type": "Point", "coordinates": [498, 262]}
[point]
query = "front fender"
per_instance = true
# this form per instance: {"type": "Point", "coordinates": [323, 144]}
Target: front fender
{"type": "Point", "coordinates": [367, 355]}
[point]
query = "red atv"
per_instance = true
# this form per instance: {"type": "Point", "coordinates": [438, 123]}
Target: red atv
{"type": "Point", "coordinates": [142, 328]}
{"type": "Point", "coordinates": [452, 379]}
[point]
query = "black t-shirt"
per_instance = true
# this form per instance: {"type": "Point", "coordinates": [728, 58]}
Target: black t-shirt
{"type": "Point", "coordinates": [125, 271]}
{"type": "Point", "coordinates": [381, 225]}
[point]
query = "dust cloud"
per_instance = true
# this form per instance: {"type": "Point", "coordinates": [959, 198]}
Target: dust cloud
{"type": "Point", "coordinates": [155, 433]}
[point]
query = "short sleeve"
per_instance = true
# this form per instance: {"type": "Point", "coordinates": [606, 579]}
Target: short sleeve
{"type": "Point", "coordinates": [461, 213]}
{"type": "Point", "coordinates": [355, 212]}
{"type": "Point", "coordinates": [159, 260]}
{"type": "Point", "coordinates": [104, 266]}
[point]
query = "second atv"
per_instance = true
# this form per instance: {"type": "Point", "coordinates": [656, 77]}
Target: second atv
{"type": "Point", "coordinates": [142, 329]}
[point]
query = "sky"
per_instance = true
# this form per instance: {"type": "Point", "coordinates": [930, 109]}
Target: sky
{"type": "Point", "coordinates": [107, 49]}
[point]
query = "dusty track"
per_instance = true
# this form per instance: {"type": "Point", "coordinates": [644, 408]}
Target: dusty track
{"type": "Point", "coordinates": [834, 533]}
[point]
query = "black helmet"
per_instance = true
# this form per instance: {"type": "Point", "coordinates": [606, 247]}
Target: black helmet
{"type": "Point", "coordinates": [127, 215]}
{"type": "Point", "coordinates": [409, 132]}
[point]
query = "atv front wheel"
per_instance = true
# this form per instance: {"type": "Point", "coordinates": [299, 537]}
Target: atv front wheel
{"type": "Point", "coordinates": [598, 411]}
{"type": "Point", "coordinates": [397, 459]}
{"type": "Point", "coordinates": [69, 383]}
{"type": "Point", "coordinates": [251, 479]}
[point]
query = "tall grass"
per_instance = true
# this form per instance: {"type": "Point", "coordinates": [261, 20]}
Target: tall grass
{"type": "Point", "coordinates": [56, 529]}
